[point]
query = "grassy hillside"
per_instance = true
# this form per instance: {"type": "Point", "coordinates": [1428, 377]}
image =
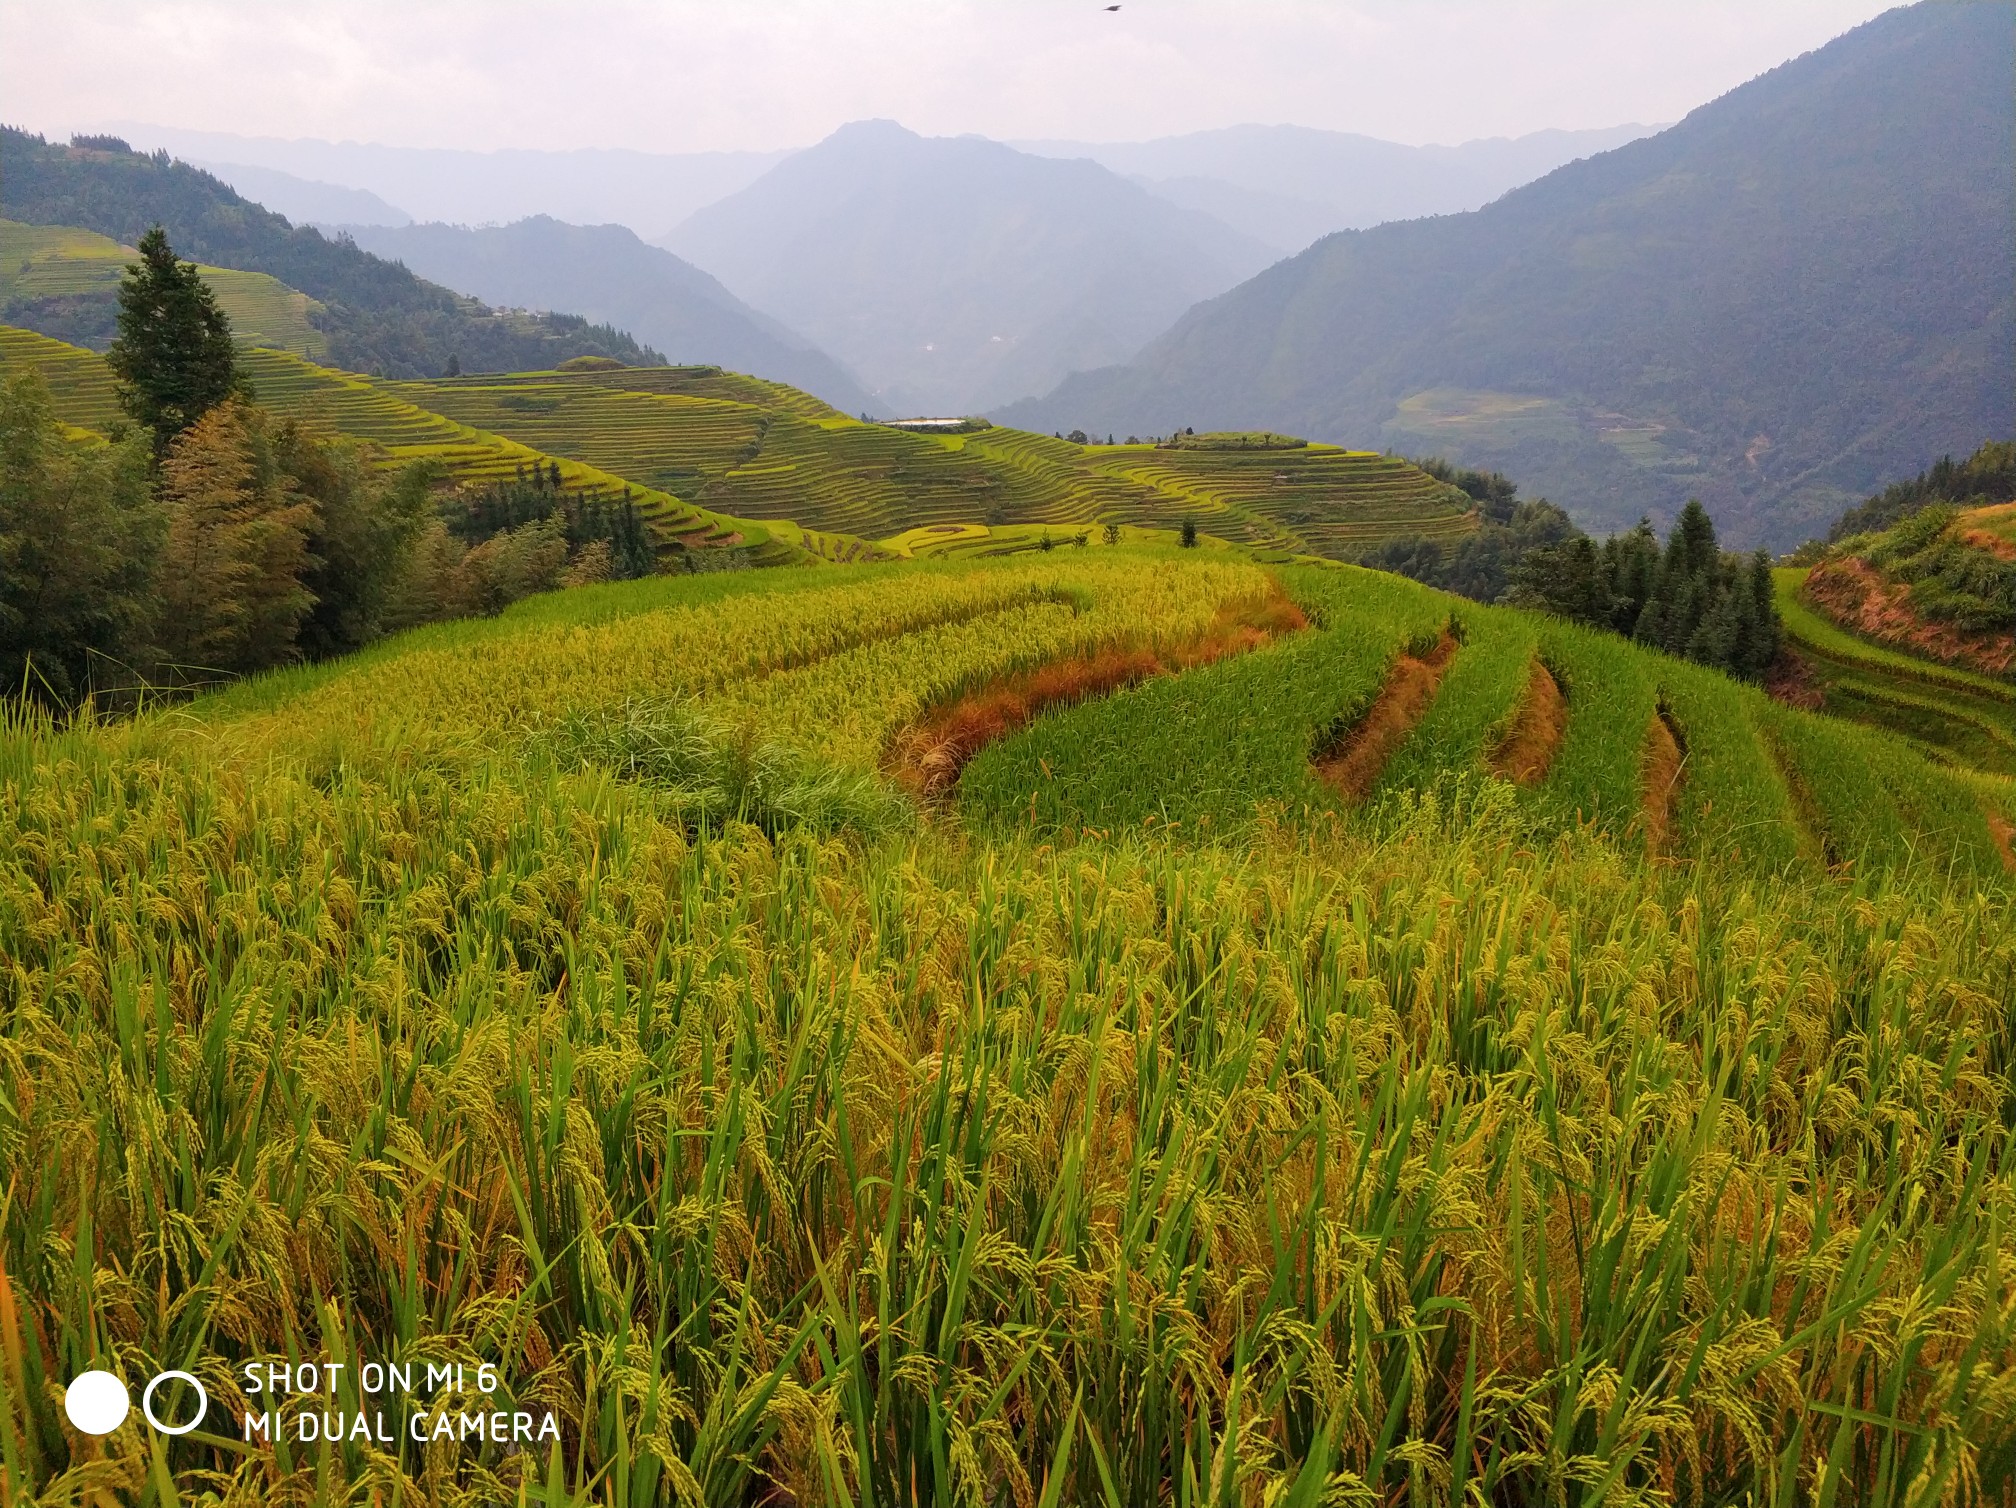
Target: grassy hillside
{"type": "Point", "coordinates": [1948, 711]}
{"type": "Point", "coordinates": [577, 991]}
{"type": "Point", "coordinates": [374, 314]}
{"type": "Point", "coordinates": [760, 451]}
{"type": "Point", "coordinates": [1779, 305]}
{"type": "Point", "coordinates": [373, 410]}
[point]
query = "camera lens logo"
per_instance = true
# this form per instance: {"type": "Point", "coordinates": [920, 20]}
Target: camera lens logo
{"type": "Point", "coordinates": [98, 1403]}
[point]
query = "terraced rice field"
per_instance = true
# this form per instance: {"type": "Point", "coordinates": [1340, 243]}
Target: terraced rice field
{"type": "Point", "coordinates": [714, 455]}
{"type": "Point", "coordinates": [1221, 748]}
{"type": "Point", "coordinates": [1948, 712]}
{"type": "Point", "coordinates": [84, 392]}
{"type": "Point", "coordinates": [1135, 1121]}
{"type": "Point", "coordinates": [53, 261]}
{"type": "Point", "coordinates": [375, 410]}
{"type": "Point", "coordinates": [756, 450]}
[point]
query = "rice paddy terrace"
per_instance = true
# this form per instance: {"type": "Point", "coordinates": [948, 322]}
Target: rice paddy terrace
{"type": "Point", "coordinates": [45, 262]}
{"type": "Point", "coordinates": [713, 457]}
{"type": "Point", "coordinates": [1118, 1026]}
{"type": "Point", "coordinates": [366, 409]}
{"type": "Point", "coordinates": [758, 450]}
{"type": "Point", "coordinates": [1948, 712]}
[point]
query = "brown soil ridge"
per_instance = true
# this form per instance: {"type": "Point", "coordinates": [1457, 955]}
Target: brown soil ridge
{"type": "Point", "coordinates": [1791, 679]}
{"type": "Point", "coordinates": [2004, 832]}
{"type": "Point", "coordinates": [1354, 763]}
{"type": "Point", "coordinates": [1527, 750]}
{"type": "Point", "coordinates": [1863, 600]}
{"type": "Point", "coordinates": [927, 758]}
{"type": "Point", "coordinates": [1661, 770]}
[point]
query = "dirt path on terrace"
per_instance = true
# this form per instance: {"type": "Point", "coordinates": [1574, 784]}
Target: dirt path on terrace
{"type": "Point", "coordinates": [1528, 748]}
{"type": "Point", "coordinates": [1354, 764]}
{"type": "Point", "coordinates": [1661, 769]}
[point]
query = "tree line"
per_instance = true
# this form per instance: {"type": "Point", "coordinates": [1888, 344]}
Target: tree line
{"type": "Point", "coordinates": [1687, 596]}
{"type": "Point", "coordinates": [211, 538]}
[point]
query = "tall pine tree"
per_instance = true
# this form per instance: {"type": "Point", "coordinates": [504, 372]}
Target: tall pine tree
{"type": "Point", "coordinates": [173, 358]}
{"type": "Point", "coordinates": [231, 574]}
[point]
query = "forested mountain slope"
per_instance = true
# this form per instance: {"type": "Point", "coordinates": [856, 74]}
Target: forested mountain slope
{"type": "Point", "coordinates": [375, 315]}
{"type": "Point", "coordinates": [607, 274]}
{"type": "Point", "coordinates": [1778, 305]}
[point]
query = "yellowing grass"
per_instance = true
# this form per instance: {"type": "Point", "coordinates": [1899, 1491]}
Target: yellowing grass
{"type": "Point", "coordinates": [422, 1008]}
{"type": "Point", "coordinates": [833, 668]}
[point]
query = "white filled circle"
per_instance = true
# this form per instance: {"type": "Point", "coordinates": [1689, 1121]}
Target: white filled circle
{"type": "Point", "coordinates": [147, 1403]}
{"type": "Point", "coordinates": [97, 1402]}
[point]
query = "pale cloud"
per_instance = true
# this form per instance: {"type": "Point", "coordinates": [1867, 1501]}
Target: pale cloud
{"type": "Point", "coordinates": [689, 75]}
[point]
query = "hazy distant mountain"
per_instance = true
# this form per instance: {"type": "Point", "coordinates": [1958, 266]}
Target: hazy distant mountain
{"type": "Point", "coordinates": [1803, 291]}
{"type": "Point", "coordinates": [1288, 185]}
{"type": "Point", "coordinates": [647, 191]}
{"type": "Point", "coordinates": [956, 272]}
{"type": "Point", "coordinates": [607, 274]}
{"type": "Point", "coordinates": [304, 200]}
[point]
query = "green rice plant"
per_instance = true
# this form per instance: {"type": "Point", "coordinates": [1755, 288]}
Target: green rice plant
{"type": "Point", "coordinates": [1479, 693]}
{"type": "Point", "coordinates": [1431, 1162]}
{"type": "Point", "coordinates": [836, 663]}
{"type": "Point", "coordinates": [844, 1155]}
{"type": "Point", "coordinates": [1612, 688]}
{"type": "Point", "coordinates": [1211, 749]}
{"type": "Point", "coordinates": [1734, 804]}
{"type": "Point", "coordinates": [1881, 804]}
{"type": "Point", "coordinates": [707, 775]}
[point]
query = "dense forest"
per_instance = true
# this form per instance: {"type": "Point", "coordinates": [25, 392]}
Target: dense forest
{"type": "Point", "coordinates": [210, 539]}
{"type": "Point", "coordinates": [378, 317]}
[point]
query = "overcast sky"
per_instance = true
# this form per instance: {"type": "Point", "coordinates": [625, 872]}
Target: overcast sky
{"type": "Point", "coordinates": [689, 75]}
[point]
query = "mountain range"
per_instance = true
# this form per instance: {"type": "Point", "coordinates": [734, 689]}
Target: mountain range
{"type": "Point", "coordinates": [1800, 292]}
{"type": "Point", "coordinates": [607, 274]}
{"type": "Point", "coordinates": [648, 191]}
{"type": "Point", "coordinates": [1290, 185]}
{"type": "Point", "coordinates": [955, 272]}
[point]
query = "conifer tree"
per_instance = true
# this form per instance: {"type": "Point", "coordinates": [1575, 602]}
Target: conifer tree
{"type": "Point", "coordinates": [173, 358]}
{"type": "Point", "coordinates": [79, 534]}
{"type": "Point", "coordinates": [237, 549]}
{"type": "Point", "coordinates": [1767, 637]}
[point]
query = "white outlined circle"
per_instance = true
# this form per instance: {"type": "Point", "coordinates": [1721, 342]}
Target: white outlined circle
{"type": "Point", "coordinates": [97, 1402]}
{"type": "Point", "coordinates": [147, 1403]}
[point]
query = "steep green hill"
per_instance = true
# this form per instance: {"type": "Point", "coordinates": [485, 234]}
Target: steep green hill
{"type": "Point", "coordinates": [374, 314]}
{"type": "Point", "coordinates": [762, 451]}
{"type": "Point", "coordinates": [1779, 305]}
{"type": "Point", "coordinates": [372, 409]}
{"type": "Point", "coordinates": [1947, 711]}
